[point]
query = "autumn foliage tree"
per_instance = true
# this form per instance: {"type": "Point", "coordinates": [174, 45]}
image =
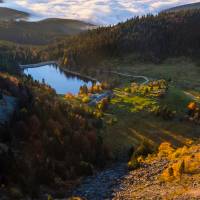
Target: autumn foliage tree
{"type": "Point", "coordinates": [52, 137]}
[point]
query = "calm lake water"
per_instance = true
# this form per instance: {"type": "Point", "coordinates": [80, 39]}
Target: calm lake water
{"type": "Point", "coordinates": [57, 79]}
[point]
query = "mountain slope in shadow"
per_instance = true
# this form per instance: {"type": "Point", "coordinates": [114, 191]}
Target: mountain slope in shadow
{"type": "Point", "coordinates": [14, 27]}
{"type": "Point", "coordinates": [184, 7]}
{"type": "Point", "coordinates": [7, 14]}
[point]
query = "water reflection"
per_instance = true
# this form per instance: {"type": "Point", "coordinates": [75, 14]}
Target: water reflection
{"type": "Point", "coordinates": [57, 79]}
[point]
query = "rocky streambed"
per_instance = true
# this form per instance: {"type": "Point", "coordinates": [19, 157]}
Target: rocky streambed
{"type": "Point", "coordinates": [118, 183]}
{"type": "Point", "coordinates": [103, 184]}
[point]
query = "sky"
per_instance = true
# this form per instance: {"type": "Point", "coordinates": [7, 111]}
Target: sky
{"type": "Point", "coordinates": [101, 12]}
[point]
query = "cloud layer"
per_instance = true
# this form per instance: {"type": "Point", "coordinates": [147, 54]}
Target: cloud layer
{"type": "Point", "coordinates": [95, 11]}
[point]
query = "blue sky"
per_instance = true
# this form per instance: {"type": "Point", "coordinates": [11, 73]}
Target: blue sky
{"type": "Point", "coordinates": [96, 11]}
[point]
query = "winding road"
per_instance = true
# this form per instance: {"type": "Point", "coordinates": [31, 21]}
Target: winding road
{"type": "Point", "coordinates": [194, 98]}
{"type": "Point", "coordinates": [146, 79]}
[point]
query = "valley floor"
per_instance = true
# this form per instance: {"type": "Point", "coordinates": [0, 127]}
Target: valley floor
{"type": "Point", "coordinates": [132, 124]}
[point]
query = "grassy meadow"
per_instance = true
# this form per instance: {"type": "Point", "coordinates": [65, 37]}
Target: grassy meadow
{"type": "Point", "coordinates": [139, 113]}
{"type": "Point", "coordinates": [135, 122]}
{"type": "Point", "coordinates": [182, 72]}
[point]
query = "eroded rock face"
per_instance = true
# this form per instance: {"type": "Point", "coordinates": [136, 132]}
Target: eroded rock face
{"type": "Point", "coordinates": [7, 107]}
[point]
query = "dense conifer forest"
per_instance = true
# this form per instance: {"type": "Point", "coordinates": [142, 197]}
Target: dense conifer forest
{"type": "Point", "coordinates": [48, 140]}
{"type": "Point", "coordinates": [152, 38]}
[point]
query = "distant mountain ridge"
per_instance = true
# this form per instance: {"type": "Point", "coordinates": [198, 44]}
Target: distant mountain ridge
{"type": "Point", "coordinates": [7, 14]}
{"type": "Point", "coordinates": [14, 28]}
{"type": "Point", "coordinates": [184, 7]}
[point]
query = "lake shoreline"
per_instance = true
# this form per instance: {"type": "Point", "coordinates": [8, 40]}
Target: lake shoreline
{"type": "Point", "coordinates": [59, 78]}
{"type": "Point", "coordinates": [23, 67]}
{"type": "Point", "coordinates": [77, 74]}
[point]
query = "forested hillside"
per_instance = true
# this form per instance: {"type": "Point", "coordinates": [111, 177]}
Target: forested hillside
{"type": "Point", "coordinates": [152, 38]}
{"type": "Point", "coordinates": [49, 141]}
{"type": "Point", "coordinates": [11, 55]}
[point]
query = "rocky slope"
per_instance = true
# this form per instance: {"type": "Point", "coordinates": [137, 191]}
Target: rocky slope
{"type": "Point", "coordinates": [144, 183]}
{"type": "Point", "coordinates": [151, 180]}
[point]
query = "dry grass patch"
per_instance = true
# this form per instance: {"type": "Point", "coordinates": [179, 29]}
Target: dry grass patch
{"type": "Point", "coordinates": [184, 160]}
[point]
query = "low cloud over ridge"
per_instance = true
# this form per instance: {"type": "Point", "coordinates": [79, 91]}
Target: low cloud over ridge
{"type": "Point", "coordinates": [95, 11]}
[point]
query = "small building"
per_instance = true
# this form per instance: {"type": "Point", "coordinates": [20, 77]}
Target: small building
{"type": "Point", "coordinates": [96, 98]}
